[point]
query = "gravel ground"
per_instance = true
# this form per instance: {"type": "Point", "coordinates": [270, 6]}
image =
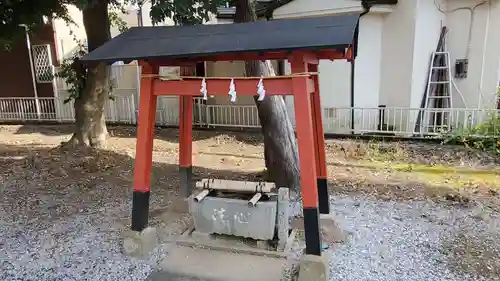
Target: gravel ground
{"type": "Point", "coordinates": [74, 249]}
{"type": "Point", "coordinates": [415, 241]}
{"type": "Point", "coordinates": [62, 214]}
{"type": "Point", "coordinates": [387, 241]}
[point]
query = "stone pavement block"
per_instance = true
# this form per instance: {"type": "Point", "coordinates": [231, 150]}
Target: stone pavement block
{"type": "Point", "coordinates": [205, 264]}
{"type": "Point", "coordinates": [313, 268]}
{"type": "Point", "coordinates": [283, 217]}
{"type": "Point", "coordinates": [139, 244]}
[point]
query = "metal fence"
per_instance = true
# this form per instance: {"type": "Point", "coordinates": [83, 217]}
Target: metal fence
{"type": "Point", "coordinates": [400, 122]}
{"type": "Point", "coordinates": [125, 81]}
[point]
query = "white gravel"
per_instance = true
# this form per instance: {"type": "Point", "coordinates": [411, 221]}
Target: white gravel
{"type": "Point", "coordinates": [73, 249]}
{"type": "Point", "coordinates": [388, 241]}
{"type": "Point", "coordinates": [406, 241]}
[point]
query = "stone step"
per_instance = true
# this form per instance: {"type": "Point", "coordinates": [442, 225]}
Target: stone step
{"type": "Point", "coordinates": [185, 263]}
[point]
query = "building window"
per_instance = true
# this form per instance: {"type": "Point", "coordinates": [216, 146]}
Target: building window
{"type": "Point", "coordinates": [42, 60]}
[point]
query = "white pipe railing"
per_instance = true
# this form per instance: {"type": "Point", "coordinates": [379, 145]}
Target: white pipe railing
{"type": "Point", "coordinates": [397, 121]}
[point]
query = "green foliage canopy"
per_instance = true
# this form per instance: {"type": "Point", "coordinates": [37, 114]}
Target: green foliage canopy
{"type": "Point", "coordinates": [17, 13]}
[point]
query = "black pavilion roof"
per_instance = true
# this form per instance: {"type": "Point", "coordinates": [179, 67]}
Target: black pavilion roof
{"type": "Point", "coordinates": [175, 42]}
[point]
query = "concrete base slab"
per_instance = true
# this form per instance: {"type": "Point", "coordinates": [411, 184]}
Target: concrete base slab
{"type": "Point", "coordinates": [224, 243]}
{"type": "Point", "coordinates": [139, 244]}
{"type": "Point", "coordinates": [313, 268]}
{"type": "Point", "coordinates": [205, 264]}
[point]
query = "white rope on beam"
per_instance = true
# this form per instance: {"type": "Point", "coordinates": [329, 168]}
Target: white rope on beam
{"type": "Point", "coordinates": [232, 91]}
{"type": "Point", "coordinates": [260, 90]}
{"type": "Point", "coordinates": [203, 89]}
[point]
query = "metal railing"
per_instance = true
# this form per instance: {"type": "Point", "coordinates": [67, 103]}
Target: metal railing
{"type": "Point", "coordinates": [395, 121]}
{"type": "Point", "coordinates": [402, 122]}
{"type": "Point", "coordinates": [25, 109]}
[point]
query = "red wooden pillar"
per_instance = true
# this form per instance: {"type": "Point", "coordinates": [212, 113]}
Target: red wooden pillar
{"type": "Point", "coordinates": [186, 136]}
{"type": "Point", "coordinates": [186, 145]}
{"type": "Point", "coordinates": [144, 149]}
{"type": "Point", "coordinates": [305, 137]}
{"type": "Point", "coordinates": [319, 145]}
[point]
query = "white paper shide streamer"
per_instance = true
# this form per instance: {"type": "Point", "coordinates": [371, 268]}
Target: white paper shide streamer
{"type": "Point", "coordinates": [203, 89]}
{"type": "Point", "coordinates": [260, 90]}
{"type": "Point", "coordinates": [232, 91]}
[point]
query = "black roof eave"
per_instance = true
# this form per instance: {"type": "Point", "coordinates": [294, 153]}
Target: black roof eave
{"type": "Point", "coordinates": [208, 55]}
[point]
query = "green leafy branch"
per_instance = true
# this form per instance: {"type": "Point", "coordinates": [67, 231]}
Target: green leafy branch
{"type": "Point", "coordinates": [115, 19]}
{"type": "Point", "coordinates": [484, 136]}
{"type": "Point", "coordinates": [74, 74]}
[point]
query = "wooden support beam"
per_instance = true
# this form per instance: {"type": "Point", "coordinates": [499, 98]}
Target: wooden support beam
{"type": "Point", "coordinates": [319, 146]}
{"type": "Point", "coordinates": [186, 145]}
{"type": "Point", "coordinates": [144, 150]}
{"type": "Point", "coordinates": [244, 87]}
{"type": "Point", "coordinates": [305, 137]}
{"type": "Point", "coordinates": [325, 54]}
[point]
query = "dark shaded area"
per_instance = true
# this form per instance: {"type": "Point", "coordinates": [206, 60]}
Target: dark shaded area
{"type": "Point", "coordinates": [468, 255]}
{"type": "Point", "coordinates": [44, 184]}
{"type": "Point", "coordinates": [415, 151]}
{"type": "Point", "coordinates": [164, 133]}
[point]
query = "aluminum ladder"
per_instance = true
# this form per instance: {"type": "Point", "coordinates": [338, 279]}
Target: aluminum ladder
{"type": "Point", "coordinates": [438, 101]}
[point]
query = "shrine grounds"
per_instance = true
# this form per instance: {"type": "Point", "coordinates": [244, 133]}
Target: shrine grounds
{"type": "Point", "coordinates": [412, 210]}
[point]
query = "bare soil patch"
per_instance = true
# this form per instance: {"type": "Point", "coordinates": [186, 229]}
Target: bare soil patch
{"type": "Point", "coordinates": [403, 170]}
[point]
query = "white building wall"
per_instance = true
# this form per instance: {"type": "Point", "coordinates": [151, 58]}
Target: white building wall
{"type": "Point", "coordinates": [68, 36]}
{"type": "Point", "coordinates": [479, 88]}
{"type": "Point", "coordinates": [367, 87]}
{"type": "Point", "coordinates": [335, 77]}
{"type": "Point", "coordinates": [428, 23]}
{"type": "Point", "coordinates": [307, 8]}
{"type": "Point", "coordinates": [396, 66]}
{"type": "Point", "coordinates": [425, 21]}
{"type": "Point", "coordinates": [335, 90]}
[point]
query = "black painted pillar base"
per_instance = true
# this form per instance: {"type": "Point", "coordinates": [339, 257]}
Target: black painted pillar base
{"type": "Point", "coordinates": [140, 210]}
{"type": "Point", "coordinates": [312, 231]}
{"type": "Point", "coordinates": [186, 180]}
{"type": "Point", "coordinates": [323, 196]}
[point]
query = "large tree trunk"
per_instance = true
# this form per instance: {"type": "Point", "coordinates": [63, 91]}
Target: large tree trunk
{"type": "Point", "coordinates": [280, 144]}
{"type": "Point", "coordinates": [90, 125]}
